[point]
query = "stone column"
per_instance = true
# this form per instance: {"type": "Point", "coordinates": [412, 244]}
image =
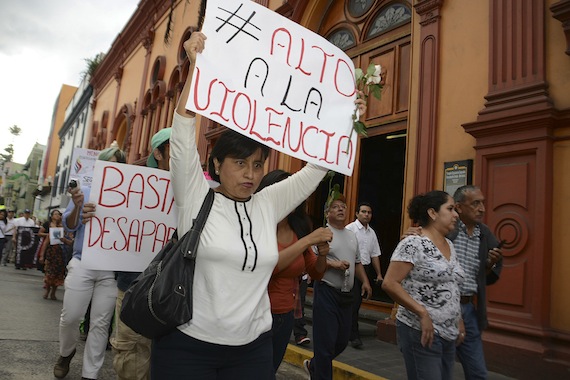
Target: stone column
{"type": "Point", "coordinates": [514, 155]}
{"type": "Point", "coordinates": [428, 76]}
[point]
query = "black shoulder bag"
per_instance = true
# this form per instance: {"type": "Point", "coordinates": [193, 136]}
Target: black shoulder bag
{"type": "Point", "coordinates": [160, 299]}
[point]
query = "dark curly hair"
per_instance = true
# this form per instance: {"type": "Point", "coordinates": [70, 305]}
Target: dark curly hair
{"type": "Point", "coordinates": [420, 204]}
{"type": "Point", "coordinates": [298, 219]}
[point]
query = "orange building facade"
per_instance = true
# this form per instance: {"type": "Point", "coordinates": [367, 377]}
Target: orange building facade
{"type": "Point", "coordinates": [485, 83]}
{"type": "Point", "coordinates": [49, 159]}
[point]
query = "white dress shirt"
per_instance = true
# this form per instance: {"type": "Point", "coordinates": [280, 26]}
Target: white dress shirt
{"type": "Point", "coordinates": [367, 241]}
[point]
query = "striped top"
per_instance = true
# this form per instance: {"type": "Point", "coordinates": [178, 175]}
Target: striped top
{"type": "Point", "coordinates": [467, 248]}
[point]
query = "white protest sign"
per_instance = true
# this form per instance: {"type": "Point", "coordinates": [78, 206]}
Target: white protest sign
{"type": "Point", "coordinates": [276, 82]}
{"type": "Point", "coordinates": [134, 217]}
{"type": "Point", "coordinates": [55, 235]}
{"type": "Point", "coordinates": [82, 163]}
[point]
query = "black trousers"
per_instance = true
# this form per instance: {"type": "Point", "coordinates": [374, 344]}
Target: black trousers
{"type": "Point", "coordinates": [357, 299]}
{"type": "Point", "coordinates": [178, 356]}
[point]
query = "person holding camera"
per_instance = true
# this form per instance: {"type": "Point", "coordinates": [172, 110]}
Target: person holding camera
{"type": "Point", "coordinates": [84, 286]}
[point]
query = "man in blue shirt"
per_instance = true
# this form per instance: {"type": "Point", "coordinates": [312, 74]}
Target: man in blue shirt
{"type": "Point", "coordinates": [84, 286]}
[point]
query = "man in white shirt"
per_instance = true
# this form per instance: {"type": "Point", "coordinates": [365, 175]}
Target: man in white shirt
{"type": "Point", "coordinates": [24, 221]}
{"type": "Point", "coordinates": [370, 259]}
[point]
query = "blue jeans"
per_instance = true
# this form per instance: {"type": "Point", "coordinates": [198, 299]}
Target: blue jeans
{"type": "Point", "coordinates": [332, 318]}
{"type": "Point", "coordinates": [282, 327]}
{"type": "Point", "coordinates": [470, 352]}
{"type": "Point", "coordinates": [425, 363]}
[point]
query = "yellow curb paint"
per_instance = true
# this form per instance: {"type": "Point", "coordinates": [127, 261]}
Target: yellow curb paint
{"type": "Point", "coordinates": [341, 371]}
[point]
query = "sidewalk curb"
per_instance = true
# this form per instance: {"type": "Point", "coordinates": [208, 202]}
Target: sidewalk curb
{"type": "Point", "coordinates": [341, 371]}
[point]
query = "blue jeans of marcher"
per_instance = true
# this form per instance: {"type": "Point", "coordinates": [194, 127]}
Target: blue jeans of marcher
{"type": "Point", "coordinates": [425, 363]}
{"type": "Point", "coordinates": [281, 328]}
{"type": "Point", "coordinates": [332, 318]}
{"type": "Point", "coordinates": [470, 352]}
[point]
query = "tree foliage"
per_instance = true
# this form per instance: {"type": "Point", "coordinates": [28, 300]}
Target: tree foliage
{"type": "Point", "coordinates": [170, 21]}
{"type": "Point", "coordinates": [15, 131]}
{"type": "Point", "coordinates": [7, 157]}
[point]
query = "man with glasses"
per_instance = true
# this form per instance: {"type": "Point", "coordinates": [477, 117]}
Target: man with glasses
{"type": "Point", "coordinates": [332, 298]}
{"type": "Point", "coordinates": [480, 257]}
{"type": "Point", "coordinates": [369, 250]}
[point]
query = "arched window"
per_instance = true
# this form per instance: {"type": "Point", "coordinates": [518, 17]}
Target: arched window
{"type": "Point", "coordinates": [342, 39]}
{"type": "Point", "coordinates": [389, 18]}
{"type": "Point", "coordinates": [358, 8]}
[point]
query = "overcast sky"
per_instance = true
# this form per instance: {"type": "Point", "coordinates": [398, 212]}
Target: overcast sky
{"type": "Point", "coordinates": [43, 45]}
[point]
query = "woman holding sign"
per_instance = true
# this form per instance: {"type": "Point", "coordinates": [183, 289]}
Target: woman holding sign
{"type": "Point", "coordinates": [229, 335]}
{"type": "Point", "coordinates": [52, 254]}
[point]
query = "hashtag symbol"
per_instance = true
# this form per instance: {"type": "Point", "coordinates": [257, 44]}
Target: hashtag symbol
{"type": "Point", "coordinates": [234, 15]}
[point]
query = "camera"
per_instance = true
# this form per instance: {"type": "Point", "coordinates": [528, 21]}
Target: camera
{"type": "Point", "coordinates": [73, 184]}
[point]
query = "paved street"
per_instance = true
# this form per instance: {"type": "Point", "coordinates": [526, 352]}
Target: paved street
{"type": "Point", "coordinates": [29, 340]}
{"type": "Point", "coordinates": [29, 332]}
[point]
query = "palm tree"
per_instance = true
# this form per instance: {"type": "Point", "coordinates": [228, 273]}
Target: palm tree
{"type": "Point", "coordinates": [169, 26]}
{"type": "Point", "coordinates": [92, 64]}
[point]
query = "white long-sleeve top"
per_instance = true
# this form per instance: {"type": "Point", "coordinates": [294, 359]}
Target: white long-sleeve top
{"type": "Point", "coordinates": [238, 246]}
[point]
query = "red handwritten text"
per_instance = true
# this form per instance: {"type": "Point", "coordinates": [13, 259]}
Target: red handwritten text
{"type": "Point", "coordinates": [137, 192]}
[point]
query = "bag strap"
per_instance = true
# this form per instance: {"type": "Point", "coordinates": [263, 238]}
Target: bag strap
{"type": "Point", "coordinates": [192, 237]}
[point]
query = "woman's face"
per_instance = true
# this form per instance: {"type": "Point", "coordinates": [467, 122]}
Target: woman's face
{"type": "Point", "coordinates": [56, 215]}
{"type": "Point", "coordinates": [240, 177]}
{"type": "Point", "coordinates": [446, 217]}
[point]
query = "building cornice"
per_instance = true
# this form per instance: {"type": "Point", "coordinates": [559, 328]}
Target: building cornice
{"type": "Point", "coordinates": [138, 31]}
{"type": "Point", "coordinates": [561, 12]}
{"type": "Point", "coordinates": [428, 10]}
